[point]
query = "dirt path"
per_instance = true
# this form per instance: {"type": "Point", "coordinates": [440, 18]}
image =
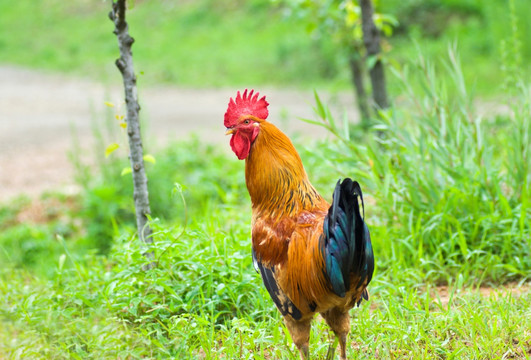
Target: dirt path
{"type": "Point", "coordinates": [39, 110]}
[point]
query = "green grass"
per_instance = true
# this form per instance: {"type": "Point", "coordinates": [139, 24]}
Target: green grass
{"type": "Point", "coordinates": [204, 300]}
{"type": "Point", "coordinates": [212, 305]}
{"type": "Point", "coordinates": [131, 313]}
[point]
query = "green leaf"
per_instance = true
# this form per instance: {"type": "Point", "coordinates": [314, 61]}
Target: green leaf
{"type": "Point", "coordinates": [346, 127]}
{"type": "Point", "coordinates": [150, 158]}
{"type": "Point", "coordinates": [320, 110]}
{"type": "Point", "coordinates": [310, 27]}
{"type": "Point", "coordinates": [126, 171]}
{"type": "Point", "coordinates": [62, 259]}
{"type": "Point", "coordinates": [179, 188]}
{"type": "Point", "coordinates": [371, 61]}
{"type": "Point", "coordinates": [313, 122]}
{"type": "Point", "coordinates": [111, 148]}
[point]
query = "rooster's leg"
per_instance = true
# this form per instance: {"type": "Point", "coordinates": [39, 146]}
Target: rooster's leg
{"type": "Point", "coordinates": [339, 322]}
{"type": "Point", "coordinates": [300, 334]}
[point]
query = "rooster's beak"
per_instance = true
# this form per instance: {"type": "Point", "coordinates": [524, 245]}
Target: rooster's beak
{"type": "Point", "coordinates": [230, 131]}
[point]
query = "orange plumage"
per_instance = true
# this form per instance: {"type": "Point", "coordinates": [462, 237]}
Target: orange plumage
{"type": "Point", "coordinates": [294, 251]}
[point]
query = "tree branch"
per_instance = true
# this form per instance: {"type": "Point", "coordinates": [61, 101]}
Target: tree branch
{"type": "Point", "coordinates": [125, 65]}
{"type": "Point", "coordinates": [371, 39]}
{"type": "Point", "coordinates": [357, 73]}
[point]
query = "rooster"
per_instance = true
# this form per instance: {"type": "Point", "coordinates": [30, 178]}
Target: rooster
{"type": "Point", "coordinates": [313, 257]}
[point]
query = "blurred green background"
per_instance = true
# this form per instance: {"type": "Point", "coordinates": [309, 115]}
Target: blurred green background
{"type": "Point", "coordinates": [208, 43]}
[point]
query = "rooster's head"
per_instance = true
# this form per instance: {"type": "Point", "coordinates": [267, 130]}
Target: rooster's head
{"type": "Point", "coordinates": [242, 120]}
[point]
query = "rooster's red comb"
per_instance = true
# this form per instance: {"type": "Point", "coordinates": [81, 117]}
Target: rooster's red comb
{"type": "Point", "coordinates": [248, 104]}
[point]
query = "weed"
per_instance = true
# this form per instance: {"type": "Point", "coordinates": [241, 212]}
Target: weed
{"type": "Point", "coordinates": [450, 188]}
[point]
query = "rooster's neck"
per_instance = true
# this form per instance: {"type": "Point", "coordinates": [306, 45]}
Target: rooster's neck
{"type": "Point", "coordinates": [275, 176]}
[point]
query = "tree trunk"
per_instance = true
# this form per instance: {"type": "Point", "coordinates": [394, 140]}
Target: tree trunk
{"type": "Point", "coordinates": [125, 65]}
{"type": "Point", "coordinates": [371, 39]}
{"type": "Point", "coordinates": [356, 71]}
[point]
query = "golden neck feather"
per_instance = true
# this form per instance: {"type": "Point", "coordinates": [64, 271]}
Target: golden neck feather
{"type": "Point", "coordinates": [275, 176]}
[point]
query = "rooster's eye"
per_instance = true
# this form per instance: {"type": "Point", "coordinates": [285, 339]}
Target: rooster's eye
{"type": "Point", "coordinates": [246, 121]}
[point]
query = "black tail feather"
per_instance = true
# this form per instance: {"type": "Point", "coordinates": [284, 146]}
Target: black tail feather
{"type": "Point", "coordinates": [346, 243]}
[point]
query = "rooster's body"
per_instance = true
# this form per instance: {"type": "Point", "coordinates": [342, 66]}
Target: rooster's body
{"type": "Point", "coordinates": [313, 257]}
